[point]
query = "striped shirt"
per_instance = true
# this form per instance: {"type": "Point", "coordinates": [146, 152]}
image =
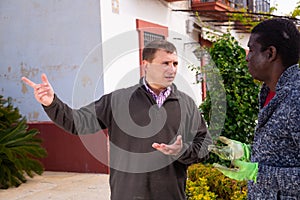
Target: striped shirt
{"type": "Point", "coordinates": [160, 99]}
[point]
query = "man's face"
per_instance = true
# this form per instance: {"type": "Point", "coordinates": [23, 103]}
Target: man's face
{"type": "Point", "coordinates": [257, 59]}
{"type": "Point", "coordinates": [161, 71]}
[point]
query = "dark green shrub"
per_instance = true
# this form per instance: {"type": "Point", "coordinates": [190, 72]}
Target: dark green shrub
{"type": "Point", "coordinates": [231, 106]}
{"type": "Point", "coordinates": [205, 182]}
{"type": "Point", "coordinates": [240, 88]}
{"type": "Point", "coordinates": [230, 109]}
{"type": "Point", "coordinates": [18, 147]}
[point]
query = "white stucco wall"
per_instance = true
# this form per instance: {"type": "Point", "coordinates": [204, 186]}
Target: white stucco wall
{"type": "Point", "coordinates": [242, 38]}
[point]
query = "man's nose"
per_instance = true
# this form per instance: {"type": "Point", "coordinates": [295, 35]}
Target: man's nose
{"type": "Point", "coordinates": [172, 67]}
{"type": "Point", "coordinates": [247, 56]}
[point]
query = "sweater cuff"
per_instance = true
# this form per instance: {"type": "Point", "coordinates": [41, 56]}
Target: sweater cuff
{"type": "Point", "coordinates": [55, 99]}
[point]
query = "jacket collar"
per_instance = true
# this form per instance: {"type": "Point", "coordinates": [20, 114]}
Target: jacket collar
{"type": "Point", "coordinates": [284, 85]}
{"type": "Point", "coordinates": [287, 76]}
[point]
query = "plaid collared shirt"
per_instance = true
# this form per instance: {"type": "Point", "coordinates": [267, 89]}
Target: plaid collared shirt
{"type": "Point", "coordinates": [160, 99]}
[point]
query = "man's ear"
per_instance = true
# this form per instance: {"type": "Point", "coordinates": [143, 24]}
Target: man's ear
{"type": "Point", "coordinates": [145, 64]}
{"type": "Point", "coordinates": [272, 53]}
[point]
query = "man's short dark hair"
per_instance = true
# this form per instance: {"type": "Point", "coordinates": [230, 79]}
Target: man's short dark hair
{"type": "Point", "coordinates": [283, 35]}
{"type": "Point", "coordinates": [151, 48]}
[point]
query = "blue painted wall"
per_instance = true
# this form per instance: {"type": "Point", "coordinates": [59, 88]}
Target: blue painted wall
{"type": "Point", "coordinates": [56, 37]}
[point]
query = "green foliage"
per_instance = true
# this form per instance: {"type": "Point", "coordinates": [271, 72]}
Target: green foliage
{"type": "Point", "coordinates": [250, 19]}
{"type": "Point", "coordinates": [205, 182]}
{"type": "Point", "coordinates": [18, 147]}
{"type": "Point", "coordinates": [231, 106]}
{"type": "Point", "coordinates": [296, 11]}
{"type": "Point", "coordinates": [241, 90]}
{"type": "Point", "coordinates": [244, 18]}
{"type": "Point", "coordinates": [198, 190]}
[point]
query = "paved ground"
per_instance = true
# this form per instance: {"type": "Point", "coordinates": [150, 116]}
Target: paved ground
{"type": "Point", "coordinates": [61, 186]}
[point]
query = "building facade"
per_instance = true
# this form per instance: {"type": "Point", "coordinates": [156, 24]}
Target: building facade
{"type": "Point", "coordinates": [87, 48]}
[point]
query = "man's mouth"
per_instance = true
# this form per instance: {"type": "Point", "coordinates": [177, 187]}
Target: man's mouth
{"type": "Point", "coordinates": [169, 77]}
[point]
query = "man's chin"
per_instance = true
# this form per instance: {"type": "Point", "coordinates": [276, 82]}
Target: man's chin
{"type": "Point", "coordinates": [169, 83]}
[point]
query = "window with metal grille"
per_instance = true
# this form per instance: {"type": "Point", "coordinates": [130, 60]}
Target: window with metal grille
{"type": "Point", "coordinates": [262, 6]}
{"type": "Point", "coordinates": [148, 37]}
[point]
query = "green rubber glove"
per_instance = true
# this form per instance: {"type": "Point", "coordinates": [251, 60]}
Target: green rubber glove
{"type": "Point", "coordinates": [243, 171]}
{"type": "Point", "coordinates": [234, 150]}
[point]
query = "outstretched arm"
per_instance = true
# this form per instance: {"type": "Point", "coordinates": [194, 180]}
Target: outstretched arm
{"type": "Point", "coordinates": [43, 92]}
{"type": "Point", "coordinates": [81, 121]}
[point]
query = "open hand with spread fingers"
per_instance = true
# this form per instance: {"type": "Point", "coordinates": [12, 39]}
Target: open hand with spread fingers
{"type": "Point", "coordinates": [43, 92]}
{"type": "Point", "coordinates": [172, 149]}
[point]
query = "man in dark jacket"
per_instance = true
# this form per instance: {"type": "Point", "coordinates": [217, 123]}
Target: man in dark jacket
{"type": "Point", "coordinates": [155, 130]}
{"type": "Point", "coordinates": [273, 168]}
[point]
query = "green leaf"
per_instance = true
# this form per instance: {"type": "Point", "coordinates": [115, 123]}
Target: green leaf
{"type": "Point", "coordinates": [19, 147]}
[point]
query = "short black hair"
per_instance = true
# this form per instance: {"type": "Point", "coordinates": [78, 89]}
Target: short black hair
{"type": "Point", "coordinates": [283, 35]}
{"type": "Point", "coordinates": [151, 48]}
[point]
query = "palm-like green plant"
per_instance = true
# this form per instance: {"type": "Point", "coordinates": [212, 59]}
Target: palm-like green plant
{"type": "Point", "coordinates": [19, 147]}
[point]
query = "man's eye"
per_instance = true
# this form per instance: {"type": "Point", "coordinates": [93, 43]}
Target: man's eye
{"type": "Point", "coordinates": [168, 63]}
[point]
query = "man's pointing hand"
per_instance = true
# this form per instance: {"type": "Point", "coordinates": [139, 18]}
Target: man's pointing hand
{"type": "Point", "coordinates": [43, 92]}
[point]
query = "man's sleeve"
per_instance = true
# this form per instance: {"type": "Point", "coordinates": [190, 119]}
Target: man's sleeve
{"type": "Point", "coordinates": [77, 121]}
{"type": "Point", "coordinates": [195, 148]}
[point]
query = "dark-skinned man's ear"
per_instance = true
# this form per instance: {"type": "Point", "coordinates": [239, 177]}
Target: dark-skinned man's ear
{"type": "Point", "coordinates": [272, 52]}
